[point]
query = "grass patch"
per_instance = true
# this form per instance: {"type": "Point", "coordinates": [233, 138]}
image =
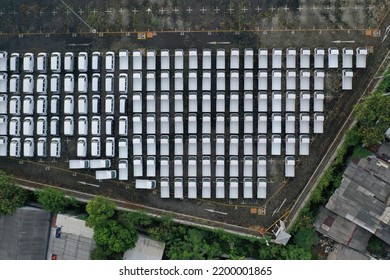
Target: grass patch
{"type": "Point", "coordinates": [359, 152]}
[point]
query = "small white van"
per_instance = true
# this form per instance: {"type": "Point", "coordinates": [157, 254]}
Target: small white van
{"type": "Point", "coordinates": [68, 126]}
{"type": "Point", "coordinates": [83, 62]}
{"type": "Point", "coordinates": [55, 104]}
{"type": "Point", "coordinates": [42, 105]}
{"type": "Point", "coordinates": [28, 105]}
{"type": "Point", "coordinates": [42, 126]}
{"type": "Point", "coordinates": [109, 86]}
{"type": "Point", "coordinates": [96, 83]}
{"type": "Point", "coordinates": [28, 62]}
{"type": "Point", "coordinates": [96, 61]}
{"type": "Point", "coordinates": [110, 61]}
{"type": "Point", "coordinates": [69, 62]}
{"type": "Point", "coordinates": [14, 84]}
{"type": "Point", "coordinates": [42, 147]}
{"type": "Point", "coordinates": [55, 83]}
{"type": "Point", "coordinates": [55, 62]}
{"type": "Point", "coordinates": [55, 126]}
{"type": "Point", "coordinates": [95, 125]}
{"type": "Point", "coordinates": [42, 84]}
{"type": "Point", "coordinates": [28, 84]}
{"type": "Point", "coordinates": [14, 147]}
{"type": "Point", "coordinates": [110, 147]}
{"type": "Point", "coordinates": [69, 83]}
{"type": "Point", "coordinates": [95, 104]}
{"type": "Point", "coordinates": [55, 147]}
{"type": "Point", "coordinates": [95, 147]}
{"type": "Point", "coordinates": [82, 84]}
{"type": "Point", "coordinates": [42, 62]}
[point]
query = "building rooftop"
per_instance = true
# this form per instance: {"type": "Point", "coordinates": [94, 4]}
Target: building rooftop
{"type": "Point", "coordinates": [342, 252]}
{"type": "Point", "coordinates": [145, 249]}
{"type": "Point", "coordinates": [24, 235]}
{"type": "Point", "coordinates": [342, 230]}
{"type": "Point", "coordinates": [364, 195]}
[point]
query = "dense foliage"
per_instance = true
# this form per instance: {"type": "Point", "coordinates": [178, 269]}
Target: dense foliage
{"type": "Point", "coordinates": [11, 196]}
{"type": "Point", "coordinates": [99, 210]}
{"type": "Point", "coordinates": [54, 201]}
{"type": "Point", "coordinates": [373, 118]}
{"type": "Point", "coordinates": [114, 232]}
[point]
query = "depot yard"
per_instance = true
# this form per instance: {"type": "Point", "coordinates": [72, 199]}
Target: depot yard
{"type": "Point", "coordinates": [281, 192]}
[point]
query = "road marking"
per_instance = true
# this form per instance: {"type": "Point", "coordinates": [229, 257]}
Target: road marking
{"type": "Point", "coordinates": [88, 184]}
{"type": "Point", "coordinates": [86, 24]}
{"type": "Point", "coordinates": [387, 31]}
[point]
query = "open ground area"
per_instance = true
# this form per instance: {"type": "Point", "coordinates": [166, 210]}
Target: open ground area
{"type": "Point", "coordinates": [50, 26]}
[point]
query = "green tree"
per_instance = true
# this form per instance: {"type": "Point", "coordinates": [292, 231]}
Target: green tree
{"type": "Point", "coordinates": [134, 219]}
{"type": "Point", "coordinates": [293, 252]}
{"type": "Point", "coordinates": [11, 196]}
{"type": "Point", "coordinates": [114, 236]}
{"type": "Point", "coordinates": [373, 118]}
{"type": "Point", "coordinates": [54, 200]}
{"type": "Point", "coordinates": [99, 210]}
{"type": "Point", "coordinates": [375, 246]}
{"type": "Point", "coordinates": [165, 230]}
{"type": "Point", "coordinates": [104, 253]}
{"type": "Point", "coordinates": [195, 246]}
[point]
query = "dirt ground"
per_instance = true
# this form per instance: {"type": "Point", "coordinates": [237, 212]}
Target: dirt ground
{"type": "Point", "coordinates": [337, 104]}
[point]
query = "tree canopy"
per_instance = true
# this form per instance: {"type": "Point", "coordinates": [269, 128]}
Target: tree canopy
{"type": "Point", "coordinates": [134, 219]}
{"type": "Point", "coordinates": [195, 246]}
{"type": "Point", "coordinates": [99, 210]}
{"type": "Point", "coordinates": [114, 236]}
{"type": "Point", "coordinates": [11, 196]}
{"type": "Point", "coordinates": [54, 201]}
{"type": "Point", "coordinates": [373, 118]}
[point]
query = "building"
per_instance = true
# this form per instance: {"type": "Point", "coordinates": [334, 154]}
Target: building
{"type": "Point", "coordinates": [24, 235]}
{"type": "Point", "coordinates": [75, 239]}
{"type": "Point", "coordinates": [145, 249]}
{"type": "Point", "coordinates": [359, 208]}
{"type": "Point", "coordinates": [342, 230]}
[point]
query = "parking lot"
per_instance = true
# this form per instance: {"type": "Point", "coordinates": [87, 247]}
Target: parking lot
{"type": "Point", "coordinates": [280, 191]}
{"type": "Point", "coordinates": [115, 16]}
